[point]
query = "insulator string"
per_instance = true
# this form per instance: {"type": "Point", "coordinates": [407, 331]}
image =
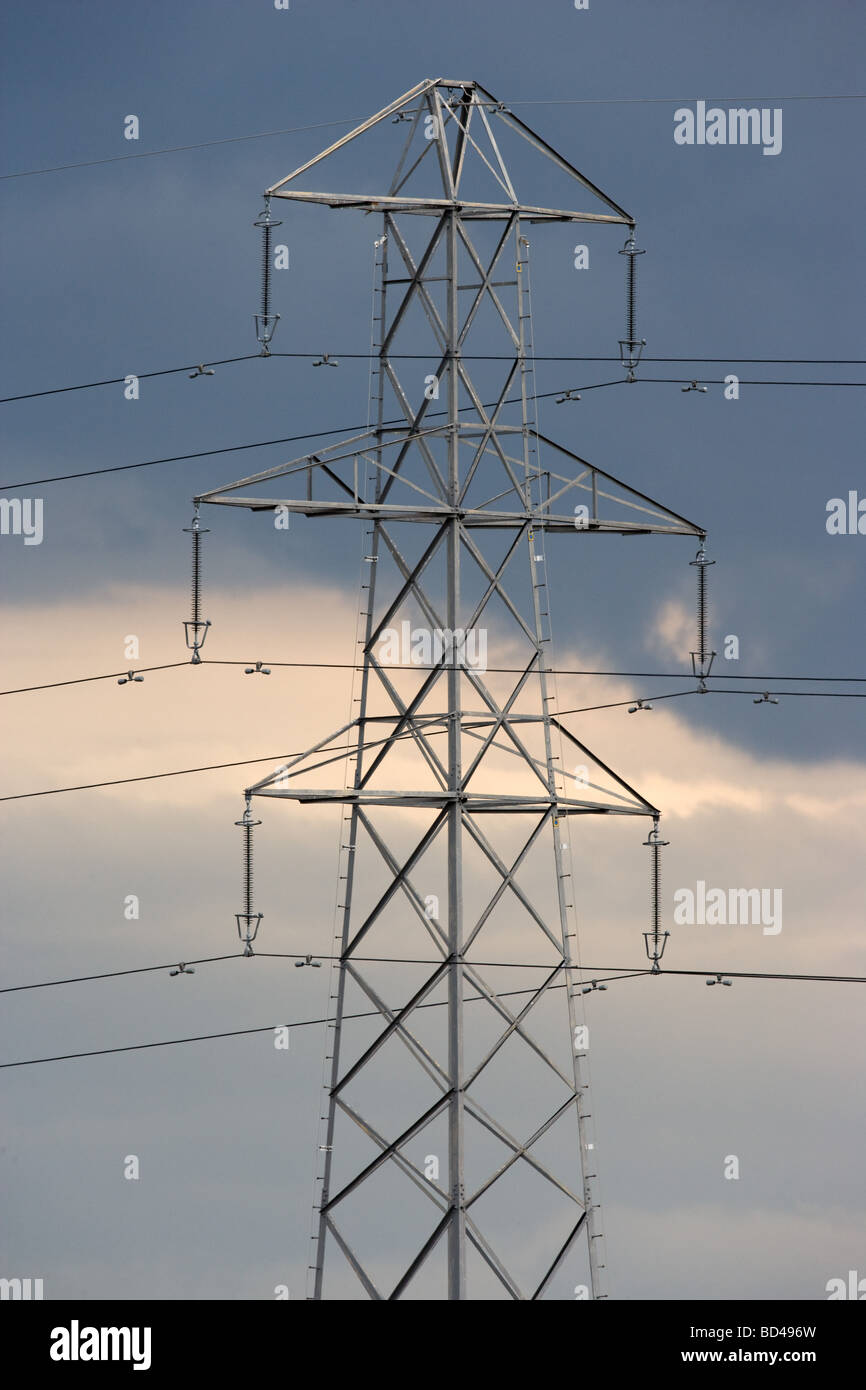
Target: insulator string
{"type": "Point", "coordinates": [702, 611]}
{"type": "Point", "coordinates": [196, 576]}
{"type": "Point", "coordinates": [702, 659]}
{"type": "Point", "coordinates": [196, 627]}
{"type": "Point", "coordinates": [631, 347]}
{"type": "Point", "coordinates": [248, 869]}
{"type": "Point", "coordinates": [655, 939]}
{"type": "Point", "coordinates": [266, 270]}
{"type": "Point", "coordinates": [248, 920]}
{"type": "Point", "coordinates": [631, 298]}
{"type": "Point", "coordinates": [656, 891]}
{"type": "Point", "coordinates": [265, 323]}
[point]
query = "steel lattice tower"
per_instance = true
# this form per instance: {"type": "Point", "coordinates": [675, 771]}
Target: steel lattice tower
{"type": "Point", "coordinates": [458, 786]}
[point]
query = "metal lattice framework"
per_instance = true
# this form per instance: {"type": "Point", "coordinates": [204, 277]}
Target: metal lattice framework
{"type": "Point", "coordinates": [455, 788]}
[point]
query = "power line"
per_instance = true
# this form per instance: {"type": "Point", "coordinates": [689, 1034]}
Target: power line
{"type": "Point", "coordinates": [798, 694]}
{"type": "Point", "coordinates": [116, 974]}
{"type": "Point", "coordinates": [624, 971]}
{"type": "Point", "coordinates": [430, 733]}
{"type": "Point", "coordinates": [148, 777]}
{"type": "Point", "coordinates": [603, 101]}
{"type": "Point", "coordinates": [188, 771]}
{"type": "Point", "coordinates": [182, 458]}
{"type": "Point", "coordinates": [749, 361]}
{"type": "Point", "coordinates": [84, 680]}
{"type": "Point", "coordinates": [708, 381]}
{"type": "Point", "coordinates": [266, 443]}
{"type": "Point", "coordinates": [375, 1013]}
{"type": "Point", "coordinates": [550, 670]}
{"type": "Point", "coordinates": [628, 971]}
{"type": "Point", "coordinates": [467, 357]}
{"type": "Point", "coordinates": [618, 704]}
{"type": "Point", "coordinates": [788, 694]}
{"type": "Point", "coordinates": [349, 429]}
{"type": "Point", "coordinates": [173, 149]}
{"type": "Point", "coordinates": [496, 670]}
{"type": "Point", "coordinates": [246, 1032]}
{"type": "Point", "coordinates": [333, 754]}
{"type": "Point", "coordinates": [774, 975]}
{"type": "Point", "coordinates": [169, 1042]}
{"type": "Point", "coordinates": [296, 955]}
{"type": "Point", "coordinates": [350, 120]}
{"type": "Point", "coordinates": [119, 380]}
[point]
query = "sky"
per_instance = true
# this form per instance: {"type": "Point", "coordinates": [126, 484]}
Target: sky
{"type": "Point", "coordinates": [136, 264]}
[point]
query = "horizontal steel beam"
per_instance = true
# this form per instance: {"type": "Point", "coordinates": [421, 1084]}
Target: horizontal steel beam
{"type": "Point", "coordinates": [471, 518]}
{"type": "Point", "coordinates": [436, 800]}
{"type": "Point", "coordinates": [434, 207]}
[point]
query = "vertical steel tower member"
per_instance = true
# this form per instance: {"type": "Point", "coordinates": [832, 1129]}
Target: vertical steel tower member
{"type": "Point", "coordinates": [456, 784]}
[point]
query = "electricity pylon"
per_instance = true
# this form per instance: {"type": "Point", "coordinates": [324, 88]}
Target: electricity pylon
{"type": "Point", "coordinates": [454, 782]}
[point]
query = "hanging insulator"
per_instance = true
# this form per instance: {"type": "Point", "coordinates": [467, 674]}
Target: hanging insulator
{"type": "Point", "coordinates": [702, 659]}
{"type": "Point", "coordinates": [248, 920]}
{"type": "Point", "coordinates": [631, 347]}
{"type": "Point", "coordinates": [196, 627]}
{"type": "Point", "coordinates": [655, 940]}
{"type": "Point", "coordinates": [266, 322]}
